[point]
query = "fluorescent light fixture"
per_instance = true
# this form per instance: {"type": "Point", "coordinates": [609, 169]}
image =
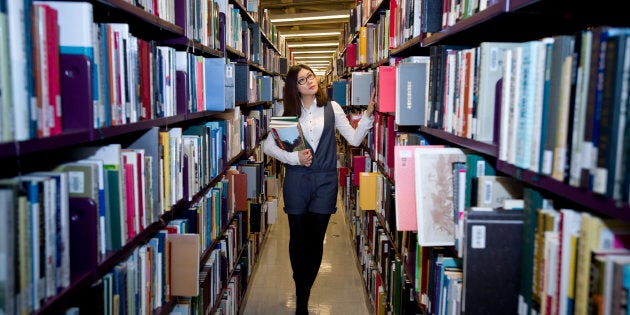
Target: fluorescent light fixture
{"type": "Point", "coordinates": [305, 34]}
{"type": "Point", "coordinates": [312, 18]}
{"type": "Point", "coordinates": [327, 15]}
{"type": "Point", "coordinates": [313, 52]}
{"type": "Point", "coordinates": [316, 65]}
{"type": "Point", "coordinates": [312, 57]}
{"type": "Point", "coordinates": [313, 44]}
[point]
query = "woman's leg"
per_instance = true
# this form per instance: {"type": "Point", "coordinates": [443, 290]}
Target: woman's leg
{"type": "Point", "coordinates": [318, 223]}
{"type": "Point", "coordinates": [299, 248]}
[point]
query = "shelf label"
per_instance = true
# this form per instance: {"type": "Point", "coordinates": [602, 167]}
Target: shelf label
{"type": "Point", "coordinates": [478, 237]}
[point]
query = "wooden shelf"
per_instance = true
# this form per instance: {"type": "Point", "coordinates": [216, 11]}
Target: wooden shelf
{"type": "Point", "coordinates": [573, 196]}
{"type": "Point", "coordinates": [481, 147]}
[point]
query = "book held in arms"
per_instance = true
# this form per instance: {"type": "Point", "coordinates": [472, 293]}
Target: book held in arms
{"type": "Point", "coordinates": [287, 133]}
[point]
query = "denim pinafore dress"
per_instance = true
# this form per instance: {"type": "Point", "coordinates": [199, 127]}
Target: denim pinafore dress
{"type": "Point", "coordinates": [314, 188]}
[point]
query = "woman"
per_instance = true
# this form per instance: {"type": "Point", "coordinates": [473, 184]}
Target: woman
{"type": "Point", "coordinates": [310, 184]}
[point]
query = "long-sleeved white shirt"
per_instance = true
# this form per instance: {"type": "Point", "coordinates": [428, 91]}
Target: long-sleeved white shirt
{"type": "Point", "coordinates": [312, 123]}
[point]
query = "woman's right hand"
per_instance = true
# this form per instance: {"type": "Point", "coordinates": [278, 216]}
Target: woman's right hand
{"type": "Point", "coordinates": [305, 157]}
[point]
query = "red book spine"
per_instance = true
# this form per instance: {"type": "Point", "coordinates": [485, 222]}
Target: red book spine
{"type": "Point", "coordinates": [54, 87]}
{"type": "Point", "coordinates": [145, 77]}
{"type": "Point", "coordinates": [140, 187]}
{"type": "Point", "coordinates": [130, 201]}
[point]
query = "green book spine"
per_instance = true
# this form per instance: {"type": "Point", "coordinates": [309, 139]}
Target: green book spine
{"type": "Point", "coordinates": [114, 216]}
{"type": "Point", "coordinates": [533, 201]}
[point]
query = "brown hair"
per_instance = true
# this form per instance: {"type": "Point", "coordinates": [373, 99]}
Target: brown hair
{"type": "Point", "coordinates": [292, 104]}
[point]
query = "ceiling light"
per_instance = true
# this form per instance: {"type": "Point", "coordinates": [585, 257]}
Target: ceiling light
{"type": "Point", "coordinates": [312, 18]}
{"type": "Point", "coordinates": [321, 44]}
{"type": "Point", "coordinates": [312, 57]}
{"type": "Point", "coordinates": [328, 15]}
{"type": "Point", "coordinates": [317, 64]}
{"type": "Point", "coordinates": [313, 52]}
{"type": "Point", "coordinates": [304, 34]}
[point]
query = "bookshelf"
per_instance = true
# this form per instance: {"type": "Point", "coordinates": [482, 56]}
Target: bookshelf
{"type": "Point", "coordinates": [84, 131]}
{"type": "Point", "coordinates": [516, 21]}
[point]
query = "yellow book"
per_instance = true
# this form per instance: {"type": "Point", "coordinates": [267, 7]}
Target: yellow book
{"type": "Point", "coordinates": [546, 222]}
{"type": "Point", "coordinates": [367, 190]}
{"type": "Point", "coordinates": [583, 263]}
{"type": "Point", "coordinates": [363, 49]}
{"type": "Point", "coordinates": [165, 171]}
{"type": "Point", "coordinates": [592, 230]}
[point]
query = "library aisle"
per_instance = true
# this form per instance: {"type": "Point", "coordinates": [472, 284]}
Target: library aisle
{"type": "Point", "coordinates": [338, 289]}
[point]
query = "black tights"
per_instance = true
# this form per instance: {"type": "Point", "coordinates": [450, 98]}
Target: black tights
{"type": "Point", "coordinates": [306, 247]}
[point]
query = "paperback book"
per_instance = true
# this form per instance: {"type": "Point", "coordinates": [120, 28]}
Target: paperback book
{"type": "Point", "coordinates": [287, 133]}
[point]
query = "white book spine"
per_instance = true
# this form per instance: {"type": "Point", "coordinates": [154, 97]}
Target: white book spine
{"type": "Point", "coordinates": [514, 102]}
{"type": "Point", "coordinates": [506, 96]}
{"type": "Point", "coordinates": [18, 57]}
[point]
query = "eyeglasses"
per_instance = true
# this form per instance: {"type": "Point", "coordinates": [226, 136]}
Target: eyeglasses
{"type": "Point", "coordinates": [309, 77]}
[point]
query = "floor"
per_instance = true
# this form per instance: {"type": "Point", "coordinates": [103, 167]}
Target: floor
{"type": "Point", "coordinates": [338, 290]}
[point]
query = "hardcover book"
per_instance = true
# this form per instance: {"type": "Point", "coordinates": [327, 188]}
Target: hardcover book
{"type": "Point", "coordinates": [368, 190]}
{"type": "Point", "coordinates": [412, 92]}
{"type": "Point", "coordinates": [404, 175]}
{"type": "Point", "coordinates": [361, 85]}
{"type": "Point", "coordinates": [287, 133]}
{"type": "Point", "coordinates": [434, 194]}
{"type": "Point", "coordinates": [492, 261]}
{"type": "Point", "coordinates": [184, 264]}
{"type": "Point", "coordinates": [386, 89]}
{"type": "Point", "coordinates": [491, 190]}
{"type": "Point", "coordinates": [340, 89]}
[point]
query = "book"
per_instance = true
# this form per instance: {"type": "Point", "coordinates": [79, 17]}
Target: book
{"type": "Point", "coordinates": [340, 92]}
{"type": "Point", "coordinates": [184, 264]}
{"type": "Point", "coordinates": [404, 175]}
{"type": "Point", "coordinates": [76, 38]}
{"type": "Point", "coordinates": [8, 250]}
{"type": "Point", "coordinates": [492, 190]}
{"type": "Point", "coordinates": [533, 201]}
{"type": "Point", "coordinates": [476, 165]}
{"type": "Point", "coordinates": [386, 89]}
{"type": "Point", "coordinates": [405, 193]}
{"type": "Point", "coordinates": [287, 133]}
{"type": "Point", "coordinates": [215, 84]}
{"type": "Point", "coordinates": [490, 71]}
{"type": "Point", "coordinates": [491, 261]}
{"type": "Point", "coordinates": [361, 84]}
{"type": "Point", "coordinates": [368, 190]}
{"type": "Point", "coordinates": [83, 237]}
{"type": "Point", "coordinates": [434, 194]}
{"type": "Point", "coordinates": [412, 92]}
{"type": "Point", "coordinates": [6, 132]}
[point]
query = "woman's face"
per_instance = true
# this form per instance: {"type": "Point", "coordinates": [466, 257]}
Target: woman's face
{"type": "Point", "coordinates": [307, 82]}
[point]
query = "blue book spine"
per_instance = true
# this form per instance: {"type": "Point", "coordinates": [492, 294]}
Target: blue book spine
{"type": "Point", "coordinates": [545, 103]}
{"type": "Point", "coordinates": [29, 68]}
{"type": "Point", "coordinates": [215, 84]}
{"type": "Point", "coordinates": [626, 283]}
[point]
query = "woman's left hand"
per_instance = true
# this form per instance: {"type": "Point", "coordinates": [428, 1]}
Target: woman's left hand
{"type": "Point", "coordinates": [371, 104]}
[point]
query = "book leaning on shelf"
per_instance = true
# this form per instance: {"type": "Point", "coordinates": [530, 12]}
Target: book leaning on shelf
{"type": "Point", "coordinates": [287, 133]}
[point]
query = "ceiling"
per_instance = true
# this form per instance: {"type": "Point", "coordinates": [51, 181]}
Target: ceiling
{"type": "Point", "coordinates": [296, 31]}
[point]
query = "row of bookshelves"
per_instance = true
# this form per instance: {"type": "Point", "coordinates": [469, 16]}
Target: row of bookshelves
{"type": "Point", "coordinates": [173, 107]}
{"type": "Point", "coordinates": [456, 118]}
{"type": "Point", "coordinates": [494, 23]}
{"type": "Point", "coordinates": [448, 274]}
{"type": "Point", "coordinates": [117, 60]}
{"type": "Point", "coordinates": [588, 201]}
